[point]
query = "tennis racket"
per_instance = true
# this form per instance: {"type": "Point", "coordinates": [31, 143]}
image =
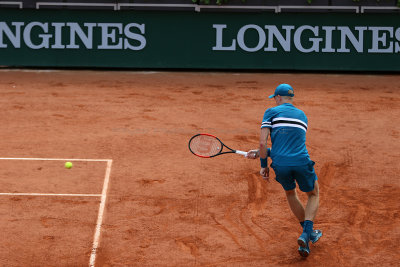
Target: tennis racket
{"type": "Point", "coordinates": [208, 146]}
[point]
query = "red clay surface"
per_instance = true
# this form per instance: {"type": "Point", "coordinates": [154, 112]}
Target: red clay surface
{"type": "Point", "coordinates": [166, 207]}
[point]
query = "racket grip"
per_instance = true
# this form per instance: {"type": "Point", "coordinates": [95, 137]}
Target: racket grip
{"type": "Point", "coordinates": [241, 153]}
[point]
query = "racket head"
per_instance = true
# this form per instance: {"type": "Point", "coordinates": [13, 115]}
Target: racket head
{"type": "Point", "coordinates": [205, 145]}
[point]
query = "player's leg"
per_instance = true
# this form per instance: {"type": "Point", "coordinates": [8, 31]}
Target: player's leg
{"type": "Point", "coordinates": [311, 211]}
{"type": "Point", "coordinates": [312, 203]}
{"type": "Point", "coordinates": [307, 181]}
{"type": "Point", "coordinates": [295, 205]}
{"type": "Point", "coordinates": [284, 176]}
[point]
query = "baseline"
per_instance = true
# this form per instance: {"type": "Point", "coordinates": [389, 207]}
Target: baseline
{"type": "Point", "coordinates": [55, 159]}
{"type": "Point", "coordinates": [50, 194]}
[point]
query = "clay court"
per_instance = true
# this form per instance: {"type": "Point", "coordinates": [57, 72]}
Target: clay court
{"type": "Point", "coordinates": [136, 196]}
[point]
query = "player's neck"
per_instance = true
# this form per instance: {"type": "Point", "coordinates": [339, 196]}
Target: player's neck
{"type": "Point", "coordinates": [284, 102]}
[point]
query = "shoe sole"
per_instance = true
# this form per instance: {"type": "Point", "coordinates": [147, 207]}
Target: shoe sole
{"type": "Point", "coordinates": [302, 243]}
{"type": "Point", "coordinates": [303, 252]}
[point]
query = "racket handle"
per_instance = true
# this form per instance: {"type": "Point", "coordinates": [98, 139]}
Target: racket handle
{"type": "Point", "coordinates": [241, 153]}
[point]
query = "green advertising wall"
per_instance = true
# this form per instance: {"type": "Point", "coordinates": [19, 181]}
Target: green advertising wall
{"type": "Point", "coordinates": [159, 39]}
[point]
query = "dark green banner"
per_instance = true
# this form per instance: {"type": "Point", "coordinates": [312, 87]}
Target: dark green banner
{"type": "Point", "coordinates": [151, 39]}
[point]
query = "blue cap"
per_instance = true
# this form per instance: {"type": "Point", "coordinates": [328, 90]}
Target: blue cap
{"type": "Point", "coordinates": [283, 89]}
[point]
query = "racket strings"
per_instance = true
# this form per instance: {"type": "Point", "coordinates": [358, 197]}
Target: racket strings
{"type": "Point", "coordinates": [206, 146]}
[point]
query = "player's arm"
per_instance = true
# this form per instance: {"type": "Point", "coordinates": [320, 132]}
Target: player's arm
{"type": "Point", "coordinates": [263, 142]}
{"type": "Point", "coordinates": [263, 152]}
{"type": "Point", "coordinates": [255, 153]}
{"type": "Point", "coordinates": [264, 135]}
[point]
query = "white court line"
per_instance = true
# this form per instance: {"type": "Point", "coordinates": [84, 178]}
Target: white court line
{"type": "Point", "coordinates": [107, 160]}
{"type": "Point", "coordinates": [96, 239]}
{"type": "Point", "coordinates": [50, 194]}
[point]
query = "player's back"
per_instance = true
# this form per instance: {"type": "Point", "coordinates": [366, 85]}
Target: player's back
{"type": "Point", "coordinates": [288, 126]}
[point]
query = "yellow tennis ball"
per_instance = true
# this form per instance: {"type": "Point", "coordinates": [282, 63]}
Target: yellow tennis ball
{"type": "Point", "coordinates": [68, 165]}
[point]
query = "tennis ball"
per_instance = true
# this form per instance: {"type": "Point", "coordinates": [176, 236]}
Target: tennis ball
{"type": "Point", "coordinates": [68, 165]}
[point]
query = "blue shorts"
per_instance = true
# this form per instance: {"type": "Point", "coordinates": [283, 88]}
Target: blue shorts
{"type": "Point", "coordinates": [304, 175]}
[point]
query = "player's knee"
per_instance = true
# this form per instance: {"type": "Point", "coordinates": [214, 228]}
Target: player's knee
{"type": "Point", "coordinates": [315, 191]}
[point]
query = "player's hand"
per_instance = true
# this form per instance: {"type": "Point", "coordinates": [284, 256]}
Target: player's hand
{"type": "Point", "coordinates": [264, 172]}
{"type": "Point", "coordinates": [253, 154]}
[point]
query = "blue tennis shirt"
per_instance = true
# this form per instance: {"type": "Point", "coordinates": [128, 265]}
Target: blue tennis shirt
{"type": "Point", "coordinates": [288, 126]}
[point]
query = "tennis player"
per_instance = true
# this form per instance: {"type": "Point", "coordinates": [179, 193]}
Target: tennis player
{"type": "Point", "coordinates": [287, 126]}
